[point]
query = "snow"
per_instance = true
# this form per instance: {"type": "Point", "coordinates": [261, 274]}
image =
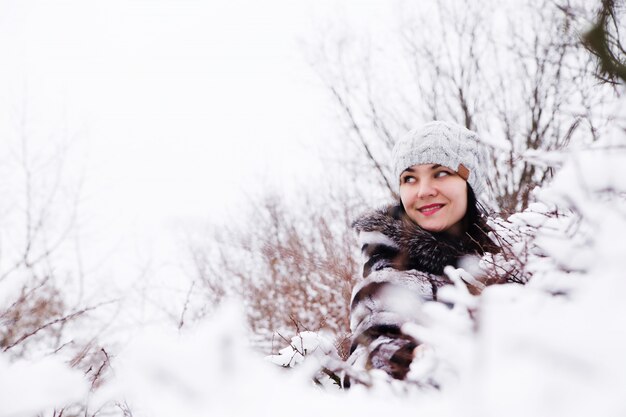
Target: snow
{"type": "Point", "coordinates": [212, 371]}
{"type": "Point", "coordinates": [31, 387]}
{"type": "Point", "coordinates": [305, 343]}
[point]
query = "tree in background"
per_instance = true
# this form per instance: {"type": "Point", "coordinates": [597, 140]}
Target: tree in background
{"type": "Point", "coordinates": [515, 73]}
{"type": "Point", "coordinates": [293, 265]}
{"type": "Point", "coordinates": [43, 310]}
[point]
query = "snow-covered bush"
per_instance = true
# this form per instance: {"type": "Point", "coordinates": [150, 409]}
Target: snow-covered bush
{"type": "Point", "coordinates": [35, 387]}
{"type": "Point", "coordinates": [321, 350]}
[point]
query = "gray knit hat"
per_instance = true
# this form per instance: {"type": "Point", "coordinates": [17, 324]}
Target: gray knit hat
{"type": "Point", "coordinates": [447, 144]}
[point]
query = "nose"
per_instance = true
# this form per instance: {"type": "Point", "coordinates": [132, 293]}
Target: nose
{"type": "Point", "coordinates": [426, 189]}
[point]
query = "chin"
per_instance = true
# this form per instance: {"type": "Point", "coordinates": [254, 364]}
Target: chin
{"type": "Point", "coordinates": [434, 229]}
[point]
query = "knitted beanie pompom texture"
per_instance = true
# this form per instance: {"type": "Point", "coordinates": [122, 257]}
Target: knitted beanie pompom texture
{"type": "Point", "coordinates": [443, 143]}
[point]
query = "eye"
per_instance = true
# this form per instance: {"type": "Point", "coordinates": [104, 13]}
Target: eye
{"type": "Point", "coordinates": [407, 179]}
{"type": "Point", "coordinates": [441, 174]}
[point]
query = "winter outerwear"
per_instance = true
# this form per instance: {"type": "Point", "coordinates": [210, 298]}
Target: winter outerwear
{"type": "Point", "coordinates": [403, 268]}
{"type": "Point", "coordinates": [446, 144]}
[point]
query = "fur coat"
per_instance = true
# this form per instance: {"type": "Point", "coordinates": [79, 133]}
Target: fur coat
{"type": "Point", "coordinates": [403, 268]}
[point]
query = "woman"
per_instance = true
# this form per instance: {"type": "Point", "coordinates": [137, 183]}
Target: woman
{"type": "Point", "coordinates": [440, 169]}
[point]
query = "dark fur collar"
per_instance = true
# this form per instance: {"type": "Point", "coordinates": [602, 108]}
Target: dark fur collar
{"type": "Point", "coordinates": [419, 249]}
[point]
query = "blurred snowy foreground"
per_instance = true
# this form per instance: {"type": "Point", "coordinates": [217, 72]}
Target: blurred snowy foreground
{"type": "Point", "coordinates": [553, 347]}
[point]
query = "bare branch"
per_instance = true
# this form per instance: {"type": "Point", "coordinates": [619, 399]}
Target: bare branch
{"type": "Point", "coordinates": [51, 323]}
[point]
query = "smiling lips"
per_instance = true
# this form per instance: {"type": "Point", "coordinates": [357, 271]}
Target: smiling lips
{"type": "Point", "coordinates": [430, 209]}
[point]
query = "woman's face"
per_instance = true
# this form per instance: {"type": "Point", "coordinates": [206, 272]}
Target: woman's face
{"type": "Point", "coordinates": [434, 197]}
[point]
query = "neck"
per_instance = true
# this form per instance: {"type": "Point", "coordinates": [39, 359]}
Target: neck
{"type": "Point", "coordinates": [456, 230]}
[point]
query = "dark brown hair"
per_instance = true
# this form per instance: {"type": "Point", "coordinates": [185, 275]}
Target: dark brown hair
{"type": "Point", "coordinates": [475, 225]}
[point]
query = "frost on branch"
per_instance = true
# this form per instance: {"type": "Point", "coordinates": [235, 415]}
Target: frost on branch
{"type": "Point", "coordinates": [315, 348]}
{"type": "Point", "coordinates": [304, 344]}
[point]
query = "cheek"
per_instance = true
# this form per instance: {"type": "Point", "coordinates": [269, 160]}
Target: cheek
{"type": "Point", "coordinates": [457, 194]}
{"type": "Point", "coordinates": [460, 203]}
{"type": "Point", "coordinates": [405, 197]}
{"type": "Point", "coordinates": [462, 209]}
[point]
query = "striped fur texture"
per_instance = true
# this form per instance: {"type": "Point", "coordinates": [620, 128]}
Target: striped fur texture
{"type": "Point", "coordinates": [403, 268]}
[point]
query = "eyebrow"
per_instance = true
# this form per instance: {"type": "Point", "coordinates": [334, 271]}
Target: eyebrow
{"type": "Point", "coordinates": [410, 169]}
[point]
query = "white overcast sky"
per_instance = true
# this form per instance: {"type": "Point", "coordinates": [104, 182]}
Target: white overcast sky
{"type": "Point", "coordinates": [175, 110]}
